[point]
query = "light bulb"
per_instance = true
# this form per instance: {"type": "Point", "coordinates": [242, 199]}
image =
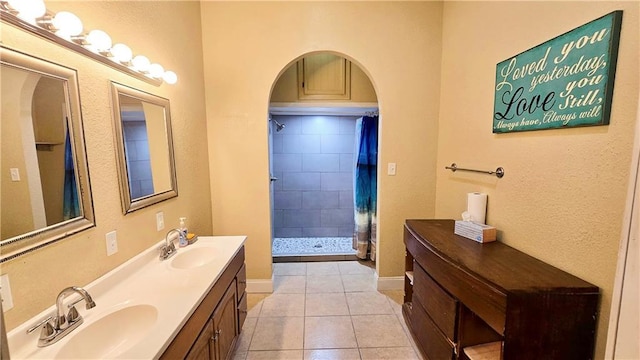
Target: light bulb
{"type": "Point", "coordinates": [68, 24]}
{"type": "Point", "coordinates": [141, 63]}
{"type": "Point", "coordinates": [121, 53]}
{"type": "Point", "coordinates": [99, 40]}
{"type": "Point", "coordinates": [170, 77]}
{"type": "Point", "coordinates": [28, 10]}
{"type": "Point", "coordinates": [156, 70]}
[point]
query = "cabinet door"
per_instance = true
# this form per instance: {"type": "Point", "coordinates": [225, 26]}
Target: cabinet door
{"type": "Point", "coordinates": [242, 312]}
{"type": "Point", "coordinates": [324, 77]}
{"type": "Point", "coordinates": [202, 348]}
{"type": "Point", "coordinates": [225, 323]}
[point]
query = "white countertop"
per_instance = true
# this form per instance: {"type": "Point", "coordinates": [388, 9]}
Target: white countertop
{"type": "Point", "coordinates": [143, 280]}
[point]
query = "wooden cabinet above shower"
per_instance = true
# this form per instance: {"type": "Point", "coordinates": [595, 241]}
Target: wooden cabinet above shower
{"type": "Point", "coordinates": [321, 77]}
{"type": "Point", "coordinates": [324, 77]}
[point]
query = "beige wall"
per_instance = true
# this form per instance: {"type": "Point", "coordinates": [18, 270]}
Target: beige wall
{"type": "Point", "coordinates": [14, 112]}
{"type": "Point", "coordinates": [37, 278]}
{"type": "Point", "coordinates": [563, 195]}
{"type": "Point", "coordinates": [248, 44]}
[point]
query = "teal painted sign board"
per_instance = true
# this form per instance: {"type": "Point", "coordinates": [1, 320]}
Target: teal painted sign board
{"type": "Point", "coordinates": [564, 82]}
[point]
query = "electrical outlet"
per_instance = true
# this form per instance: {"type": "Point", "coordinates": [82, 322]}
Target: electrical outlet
{"type": "Point", "coordinates": [159, 221]}
{"type": "Point", "coordinates": [112, 243]}
{"type": "Point", "coordinates": [391, 168]}
{"type": "Point", "coordinates": [5, 293]}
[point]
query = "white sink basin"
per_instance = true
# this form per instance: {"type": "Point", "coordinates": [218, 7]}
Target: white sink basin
{"type": "Point", "coordinates": [192, 258]}
{"type": "Point", "coordinates": [110, 335]}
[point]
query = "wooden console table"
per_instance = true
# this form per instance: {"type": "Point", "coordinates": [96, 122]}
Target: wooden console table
{"type": "Point", "coordinates": [460, 293]}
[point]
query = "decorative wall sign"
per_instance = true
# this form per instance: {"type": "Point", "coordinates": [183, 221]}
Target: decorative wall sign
{"type": "Point", "coordinates": [564, 82]}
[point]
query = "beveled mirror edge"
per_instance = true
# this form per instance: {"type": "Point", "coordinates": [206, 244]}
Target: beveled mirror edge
{"type": "Point", "coordinates": [25, 243]}
{"type": "Point", "coordinates": [130, 205]}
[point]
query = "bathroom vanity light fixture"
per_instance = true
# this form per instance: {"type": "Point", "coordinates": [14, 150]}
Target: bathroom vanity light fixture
{"type": "Point", "coordinates": [28, 10]}
{"type": "Point", "coordinates": [65, 24]}
{"type": "Point", "coordinates": [122, 53]}
{"type": "Point", "coordinates": [141, 63]}
{"type": "Point", "coordinates": [99, 41]}
{"type": "Point", "coordinates": [66, 29]}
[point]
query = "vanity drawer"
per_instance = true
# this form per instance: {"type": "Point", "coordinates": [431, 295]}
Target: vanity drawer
{"type": "Point", "coordinates": [241, 282]}
{"type": "Point", "coordinates": [440, 306]}
{"type": "Point", "coordinates": [431, 339]}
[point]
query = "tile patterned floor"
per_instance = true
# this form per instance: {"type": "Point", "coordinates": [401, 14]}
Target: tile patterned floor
{"type": "Point", "coordinates": [312, 246]}
{"type": "Point", "coordinates": [325, 310]}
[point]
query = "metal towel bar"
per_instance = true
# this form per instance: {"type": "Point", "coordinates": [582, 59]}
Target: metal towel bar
{"type": "Point", "coordinates": [499, 171]}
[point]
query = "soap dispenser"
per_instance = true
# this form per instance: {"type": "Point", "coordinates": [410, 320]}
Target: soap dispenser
{"type": "Point", "coordinates": [183, 233]}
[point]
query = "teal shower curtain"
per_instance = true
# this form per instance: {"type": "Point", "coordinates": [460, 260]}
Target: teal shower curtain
{"type": "Point", "coordinates": [71, 204]}
{"type": "Point", "coordinates": [365, 187]}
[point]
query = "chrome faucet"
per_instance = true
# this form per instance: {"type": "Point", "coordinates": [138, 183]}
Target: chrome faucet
{"type": "Point", "coordinates": [57, 326]}
{"type": "Point", "coordinates": [168, 249]}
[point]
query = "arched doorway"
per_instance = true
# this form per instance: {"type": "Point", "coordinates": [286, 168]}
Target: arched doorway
{"type": "Point", "coordinates": [316, 110]}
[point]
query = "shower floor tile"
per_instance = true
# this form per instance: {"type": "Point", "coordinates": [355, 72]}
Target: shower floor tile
{"type": "Point", "coordinates": [312, 246]}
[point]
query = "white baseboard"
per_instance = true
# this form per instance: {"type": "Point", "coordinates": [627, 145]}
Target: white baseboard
{"type": "Point", "coordinates": [260, 285]}
{"type": "Point", "coordinates": [389, 282]}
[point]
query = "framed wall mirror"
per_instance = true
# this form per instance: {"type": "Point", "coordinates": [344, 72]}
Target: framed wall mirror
{"type": "Point", "coordinates": [45, 191]}
{"type": "Point", "coordinates": [144, 147]}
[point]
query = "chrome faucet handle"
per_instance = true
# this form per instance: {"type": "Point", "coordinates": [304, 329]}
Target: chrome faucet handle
{"type": "Point", "coordinates": [47, 332]}
{"type": "Point", "coordinates": [74, 303]}
{"type": "Point", "coordinates": [89, 304]}
{"type": "Point", "coordinates": [36, 326]}
{"type": "Point", "coordinates": [166, 251]}
{"type": "Point", "coordinates": [72, 315]}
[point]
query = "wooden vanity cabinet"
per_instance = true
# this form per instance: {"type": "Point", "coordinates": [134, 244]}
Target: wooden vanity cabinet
{"type": "Point", "coordinates": [211, 331]}
{"type": "Point", "coordinates": [460, 293]}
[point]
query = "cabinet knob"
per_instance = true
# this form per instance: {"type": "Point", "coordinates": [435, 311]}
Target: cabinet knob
{"type": "Point", "coordinates": [242, 281]}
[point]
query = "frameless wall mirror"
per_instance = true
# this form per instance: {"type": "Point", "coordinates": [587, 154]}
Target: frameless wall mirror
{"type": "Point", "coordinates": [45, 192]}
{"type": "Point", "coordinates": [144, 148]}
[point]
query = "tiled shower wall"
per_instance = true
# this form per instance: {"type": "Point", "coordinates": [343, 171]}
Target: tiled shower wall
{"type": "Point", "coordinates": [138, 160]}
{"type": "Point", "coordinates": [314, 162]}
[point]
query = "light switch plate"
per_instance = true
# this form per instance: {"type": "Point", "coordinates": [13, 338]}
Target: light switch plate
{"type": "Point", "coordinates": [5, 293]}
{"type": "Point", "coordinates": [391, 169]}
{"type": "Point", "coordinates": [159, 220]}
{"type": "Point", "coordinates": [15, 174]}
{"type": "Point", "coordinates": [112, 243]}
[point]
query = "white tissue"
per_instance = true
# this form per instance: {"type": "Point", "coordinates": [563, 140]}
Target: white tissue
{"type": "Point", "coordinates": [477, 207]}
